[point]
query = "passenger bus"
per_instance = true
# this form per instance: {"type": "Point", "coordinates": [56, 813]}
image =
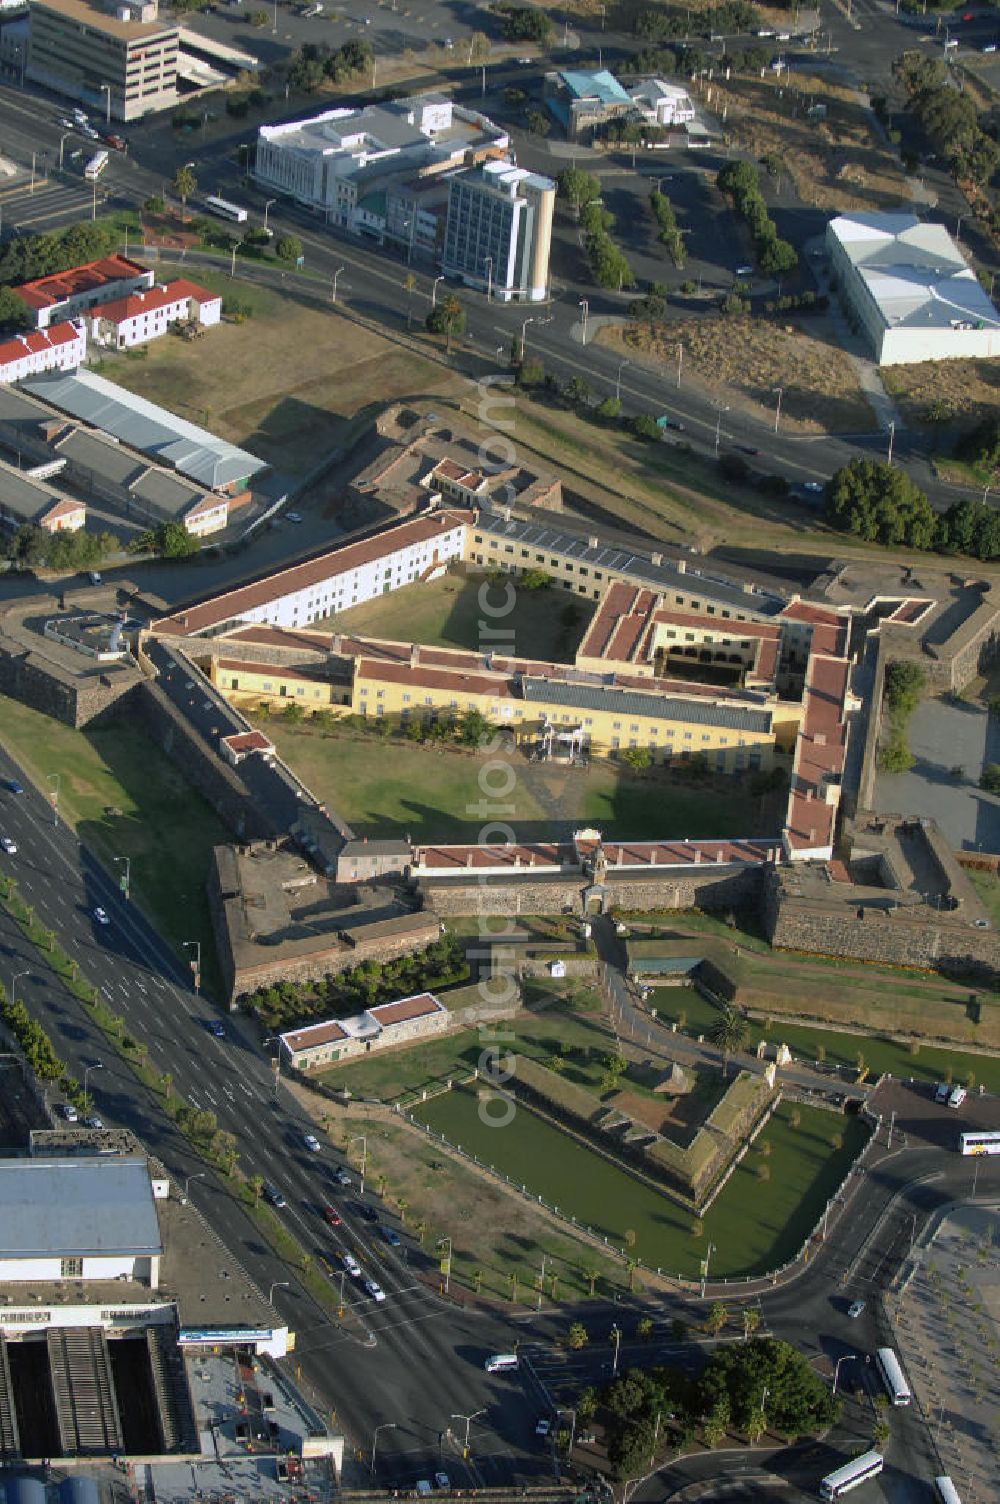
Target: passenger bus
{"type": "Point", "coordinates": [979, 1143]}
{"type": "Point", "coordinates": [225, 209]}
{"type": "Point", "coordinates": [946, 1491]}
{"type": "Point", "coordinates": [851, 1475]}
{"type": "Point", "coordinates": [892, 1377]}
{"type": "Point", "coordinates": [96, 166]}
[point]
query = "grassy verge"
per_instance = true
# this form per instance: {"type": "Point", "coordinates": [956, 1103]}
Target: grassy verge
{"type": "Point", "coordinates": [760, 1220]}
{"type": "Point", "coordinates": [124, 798]}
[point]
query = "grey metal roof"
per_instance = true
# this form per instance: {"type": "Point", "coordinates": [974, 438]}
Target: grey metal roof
{"type": "Point", "coordinates": [60, 1208]}
{"type": "Point", "coordinates": [385, 847]}
{"type": "Point", "coordinates": [108, 460]}
{"type": "Point", "coordinates": [23, 496]}
{"type": "Point", "coordinates": [164, 489]}
{"type": "Point", "coordinates": [638, 566]}
{"type": "Point", "coordinates": [655, 707]}
{"type": "Point", "coordinates": [18, 408]}
{"type": "Point", "coordinates": [211, 461]}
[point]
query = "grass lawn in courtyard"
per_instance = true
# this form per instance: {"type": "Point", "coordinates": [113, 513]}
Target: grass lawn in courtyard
{"type": "Point", "coordinates": [546, 624]}
{"type": "Point", "coordinates": [756, 1224]}
{"type": "Point", "coordinates": [125, 798]}
{"type": "Point", "coordinates": [397, 788]}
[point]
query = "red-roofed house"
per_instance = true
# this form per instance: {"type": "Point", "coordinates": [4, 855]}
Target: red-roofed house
{"type": "Point", "coordinates": [60, 348]}
{"type": "Point", "coordinates": [65, 295]}
{"type": "Point", "coordinates": [404, 1021]}
{"type": "Point", "coordinates": [149, 312]}
{"type": "Point", "coordinates": [65, 516]}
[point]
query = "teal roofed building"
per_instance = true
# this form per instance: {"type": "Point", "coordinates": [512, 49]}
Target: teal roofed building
{"type": "Point", "coordinates": [581, 101]}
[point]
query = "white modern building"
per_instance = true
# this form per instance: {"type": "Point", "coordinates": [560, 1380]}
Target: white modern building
{"type": "Point", "coordinates": [911, 289]}
{"type": "Point", "coordinates": [118, 57]}
{"type": "Point", "coordinates": [61, 348]}
{"type": "Point", "coordinates": [146, 314]}
{"type": "Point", "coordinates": [83, 1218]}
{"type": "Point", "coordinates": [499, 230]}
{"type": "Point", "coordinates": [403, 1021]}
{"type": "Point", "coordinates": [335, 160]}
{"type": "Point", "coordinates": [662, 103]}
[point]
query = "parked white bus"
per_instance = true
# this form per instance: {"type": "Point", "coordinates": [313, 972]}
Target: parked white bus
{"type": "Point", "coordinates": [892, 1376]}
{"type": "Point", "coordinates": [979, 1143]}
{"type": "Point", "coordinates": [946, 1491]}
{"type": "Point", "coordinates": [501, 1363]}
{"type": "Point", "coordinates": [851, 1475]}
{"type": "Point", "coordinates": [223, 207]}
{"type": "Point", "coordinates": [96, 166]}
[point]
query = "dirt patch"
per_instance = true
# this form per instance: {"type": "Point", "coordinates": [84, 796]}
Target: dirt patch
{"type": "Point", "coordinates": [746, 359]}
{"type": "Point", "coordinates": [970, 389]}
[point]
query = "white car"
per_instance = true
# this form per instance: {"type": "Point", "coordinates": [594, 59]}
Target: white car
{"type": "Point", "coordinates": [8, 845]}
{"type": "Point", "coordinates": [543, 1427]}
{"type": "Point", "coordinates": [855, 1309]}
{"type": "Point", "coordinates": [374, 1290]}
{"type": "Point", "coordinates": [100, 917]}
{"type": "Point", "coordinates": [294, 516]}
{"type": "Point", "coordinates": [351, 1264]}
{"type": "Point", "coordinates": [93, 1121]}
{"type": "Point", "coordinates": [69, 1112]}
{"type": "Point", "coordinates": [311, 1142]}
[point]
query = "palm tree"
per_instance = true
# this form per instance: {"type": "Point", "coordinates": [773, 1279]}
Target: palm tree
{"type": "Point", "coordinates": [381, 1180]}
{"type": "Point", "coordinates": [728, 1034]}
{"type": "Point", "coordinates": [592, 1276]}
{"type": "Point", "coordinates": [751, 1321]}
{"type": "Point", "coordinates": [452, 315]}
{"type": "Point", "coordinates": [552, 1287]}
{"type": "Point", "coordinates": [420, 1228]}
{"type": "Point", "coordinates": [478, 1275]}
{"type": "Point", "coordinates": [402, 1206]}
{"type": "Point", "coordinates": [629, 1237]}
{"type": "Point", "coordinates": [631, 1265]}
{"type": "Point", "coordinates": [185, 184]}
{"type": "Point", "coordinates": [256, 1186]}
{"type": "Point", "coordinates": [409, 283]}
{"type": "Point", "coordinates": [512, 1281]}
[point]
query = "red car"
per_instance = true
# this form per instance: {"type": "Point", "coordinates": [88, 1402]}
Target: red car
{"type": "Point", "coordinates": [331, 1216]}
{"type": "Point", "coordinates": [968, 16]}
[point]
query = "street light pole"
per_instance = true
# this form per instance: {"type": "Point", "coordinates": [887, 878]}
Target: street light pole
{"type": "Point", "coordinates": [387, 1425]}
{"type": "Point", "coordinates": [14, 981]}
{"type": "Point", "coordinates": [489, 278]}
{"type": "Point", "coordinates": [277, 1284]}
{"type": "Point", "coordinates": [98, 1065]}
{"type": "Point", "coordinates": [718, 427]}
{"type": "Point", "coordinates": [447, 1272]}
{"type": "Point", "coordinates": [196, 963]}
{"type": "Point", "coordinates": [777, 411]}
{"type": "Point", "coordinates": [616, 1336]}
{"type": "Point", "coordinates": [892, 435]}
{"type": "Point", "coordinates": [468, 1421]}
{"type": "Point", "coordinates": [846, 1358]}
{"type": "Point", "coordinates": [524, 335]}
{"type": "Point", "coordinates": [364, 1155]}
{"type": "Point", "coordinates": [680, 363]}
{"type": "Point", "coordinates": [55, 795]}
{"type": "Point", "coordinates": [434, 290]}
{"type": "Point", "coordinates": [125, 882]}
{"type": "Point", "coordinates": [269, 202]}
{"type": "Point", "coordinates": [704, 1268]}
{"type": "Point", "coordinates": [106, 91]}
{"type": "Point", "coordinates": [618, 380]}
{"type": "Point", "coordinates": [199, 1175]}
{"type": "Point", "coordinates": [335, 276]}
{"type": "Point", "coordinates": [62, 146]}
{"type": "Point", "coordinates": [585, 305]}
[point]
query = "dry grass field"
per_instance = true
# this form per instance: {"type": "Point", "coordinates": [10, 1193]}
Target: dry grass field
{"type": "Point", "coordinates": [971, 388]}
{"type": "Point", "coordinates": [301, 375]}
{"type": "Point", "coordinates": [747, 358]}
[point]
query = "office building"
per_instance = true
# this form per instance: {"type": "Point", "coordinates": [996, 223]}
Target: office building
{"type": "Point", "coordinates": [499, 230]}
{"type": "Point", "coordinates": [120, 60]}
{"type": "Point", "coordinates": [911, 289]}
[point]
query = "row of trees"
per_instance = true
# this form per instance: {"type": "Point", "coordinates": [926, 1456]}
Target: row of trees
{"type": "Point", "coordinates": [314, 63]}
{"type": "Point", "coordinates": [950, 118]}
{"type": "Point", "coordinates": [670, 236]}
{"type": "Point", "coordinates": [608, 263]}
{"type": "Point", "coordinates": [31, 256]}
{"type": "Point", "coordinates": [881, 504]}
{"type": "Point", "coordinates": [34, 547]}
{"type": "Point", "coordinates": [731, 16]}
{"type": "Point", "coordinates": [740, 182]}
{"type": "Point", "coordinates": [524, 23]}
{"type": "Point", "coordinates": [440, 964]}
{"type": "Point", "coordinates": [35, 1044]}
{"type": "Point", "coordinates": [170, 540]}
{"type": "Point", "coordinates": [750, 1388]}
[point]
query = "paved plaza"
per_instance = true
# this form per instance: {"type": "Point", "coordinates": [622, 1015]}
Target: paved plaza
{"type": "Point", "coordinates": [948, 1337]}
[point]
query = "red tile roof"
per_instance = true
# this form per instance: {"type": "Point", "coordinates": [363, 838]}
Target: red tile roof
{"type": "Point", "coordinates": [63, 508]}
{"type": "Point", "coordinates": [420, 675]}
{"type": "Point", "coordinates": [405, 1008]}
{"type": "Point", "coordinates": [248, 741]}
{"type": "Point", "coordinates": [148, 300]}
{"type": "Point", "coordinates": [819, 755]}
{"type": "Point", "coordinates": [313, 1035]}
{"type": "Point", "coordinates": [59, 286]}
{"type": "Point", "coordinates": [275, 587]}
{"type": "Point", "coordinates": [37, 341]}
{"type": "Point", "coordinates": [829, 634]}
{"type": "Point", "coordinates": [718, 624]}
{"type": "Point", "coordinates": [538, 854]}
{"type": "Point", "coordinates": [252, 666]}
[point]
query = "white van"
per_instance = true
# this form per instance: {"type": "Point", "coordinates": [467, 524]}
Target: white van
{"type": "Point", "coordinates": [957, 1096]}
{"type": "Point", "coordinates": [501, 1363]}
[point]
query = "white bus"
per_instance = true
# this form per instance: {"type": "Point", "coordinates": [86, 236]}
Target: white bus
{"type": "Point", "coordinates": [892, 1377]}
{"type": "Point", "coordinates": [501, 1363]}
{"type": "Point", "coordinates": [851, 1475]}
{"type": "Point", "coordinates": [946, 1491]}
{"type": "Point", "coordinates": [96, 166]}
{"type": "Point", "coordinates": [979, 1143]}
{"type": "Point", "coordinates": [223, 207]}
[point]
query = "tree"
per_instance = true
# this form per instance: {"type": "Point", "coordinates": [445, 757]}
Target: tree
{"type": "Point", "coordinates": [880, 504]}
{"type": "Point", "coordinates": [409, 283]}
{"type": "Point", "coordinates": [577, 390]}
{"type": "Point", "coordinates": [479, 47]}
{"type": "Point", "coordinates": [881, 1431]}
{"type": "Point", "coordinates": [577, 1336]}
{"type": "Point", "coordinates": [637, 758]}
{"type": "Point", "coordinates": [799, 1402]}
{"type": "Point", "coordinates": [14, 314]}
{"type": "Point", "coordinates": [447, 317]}
{"type": "Point", "coordinates": [258, 18]}
{"type": "Point", "coordinates": [645, 426]}
{"type": "Point", "coordinates": [644, 1328]}
{"type": "Point", "coordinates": [716, 1318]}
{"type": "Point", "coordinates": [478, 1276]}
{"type": "Point", "coordinates": [521, 23]}
{"type": "Point", "coordinates": [990, 778]}
{"type": "Point", "coordinates": [473, 729]}
{"type": "Point", "coordinates": [288, 248]}
{"type": "Point", "coordinates": [402, 1206]}
{"type": "Point", "coordinates": [751, 1321]}
{"type": "Point", "coordinates": [728, 1033]}
{"type": "Point", "coordinates": [609, 410]}
{"type": "Point", "coordinates": [185, 186]}
{"type": "Point", "coordinates": [578, 188]}
{"type": "Point", "coordinates": [591, 1276]}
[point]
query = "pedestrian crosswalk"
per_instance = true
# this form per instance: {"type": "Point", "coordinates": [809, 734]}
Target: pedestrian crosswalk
{"type": "Point", "coordinates": [49, 205]}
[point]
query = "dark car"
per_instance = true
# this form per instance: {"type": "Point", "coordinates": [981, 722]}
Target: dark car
{"type": "Point", "coordinates": [12, 786]}
{"type": "Point", "coordinates": [391, 1236]}
{"type": "Point", "coordinates": [369, 1213]}
{"type": "Point", "coordinates": [216, 1027]}
{"type": "Point", "coordinates": [274, 1196]}
{"type": "Point", "coordinates": [747, 449]}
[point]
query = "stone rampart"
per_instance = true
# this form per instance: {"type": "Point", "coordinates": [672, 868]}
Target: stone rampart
{"type": "Point", "coordinates": [697, 887]}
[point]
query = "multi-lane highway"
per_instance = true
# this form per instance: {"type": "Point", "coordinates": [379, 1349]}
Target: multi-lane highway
{"type": "Point", "coordinates": [415, 1359]}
